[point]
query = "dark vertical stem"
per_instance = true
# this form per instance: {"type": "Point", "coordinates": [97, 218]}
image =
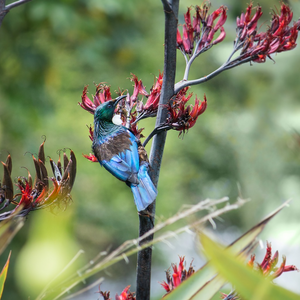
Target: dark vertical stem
{"type": "Point", "coordinates": [146, 223]}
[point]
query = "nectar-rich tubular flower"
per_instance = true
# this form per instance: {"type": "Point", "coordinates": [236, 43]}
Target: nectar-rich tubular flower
{"type": "Point", "coordinates": [125, 295]}
{"type": "Point", "coordinates": [197, 35]}
{"type": "Point", "coordinates": [182, 117]}
{"type": "Point", "coordinates": [179, 274]}
{"type": "Point", "coordinates": [102, 95]}
{"type": "Point", "coordinates": [149, 109]}
{"type": "Point", "coordinates": [268, 265]}
{"type": "Point", "coordinates": [37, 194]}
{"type": "Point", "coordinates": [267, 268]}
{"type": "Point", "coordinates": [279, 37]}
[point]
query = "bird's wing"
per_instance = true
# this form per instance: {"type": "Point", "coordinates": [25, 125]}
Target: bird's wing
{"type": "Point", "coordinates": [124, 162]}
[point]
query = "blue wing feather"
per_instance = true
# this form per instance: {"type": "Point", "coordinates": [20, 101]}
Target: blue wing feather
{"type": "Point", "coordinates": [126, 167]}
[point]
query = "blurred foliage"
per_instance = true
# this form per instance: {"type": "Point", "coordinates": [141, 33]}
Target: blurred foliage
{"type": "Point", "coordinates": [49, 50]}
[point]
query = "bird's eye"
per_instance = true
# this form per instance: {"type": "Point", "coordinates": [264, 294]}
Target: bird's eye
{"type": "Point", "coordinates": [109, 105]}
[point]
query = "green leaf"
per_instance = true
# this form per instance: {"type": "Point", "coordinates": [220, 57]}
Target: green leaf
{"type": "Point", "coordinates": [205, 283]}
{"type": "Point", "coordinates": [3, 275]}
{"type": "Point", "coordinates": [249, 284]}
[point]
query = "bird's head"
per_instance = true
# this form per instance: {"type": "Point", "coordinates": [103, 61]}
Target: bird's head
{"type": "Point", "coordinates": [105, 111]}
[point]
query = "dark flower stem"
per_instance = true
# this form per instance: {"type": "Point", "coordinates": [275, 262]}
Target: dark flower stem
{"type": "Point", "coordinates": [147, 222]}
{"type": "Point", "coordinates": [4, 9]}
{"type": "Point", "coordinates": [226, 66]}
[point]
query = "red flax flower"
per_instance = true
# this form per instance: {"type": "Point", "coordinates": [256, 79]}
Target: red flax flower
{"type": "Point", "coordinates": [179, 275]}
{"type": "Point", "coordinates": [182, 117]}
{"type": "Point", "coordinates": [279, 37]}
{"type": "Point", "coordinates": [125, 295]}
{"type": "Point", "coordinates": [267, 268]}
{"type": "Point", "coordinates": [268, 265]}
{"type": "Point", "coordinates": [198, 35]}
{"type": "Point", "coordinates": [37, 194]}
{"type": "Point", "coordinates": [102, 95]}
{"type": "Point", "coordinates": [151, 105]}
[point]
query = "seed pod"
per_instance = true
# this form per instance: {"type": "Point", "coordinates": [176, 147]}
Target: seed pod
{"type": "Point", "coordinates": [41, 154]}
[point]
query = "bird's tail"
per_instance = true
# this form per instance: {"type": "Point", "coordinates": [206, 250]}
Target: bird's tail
{"type": "Point", "coordinates": [144, 192]}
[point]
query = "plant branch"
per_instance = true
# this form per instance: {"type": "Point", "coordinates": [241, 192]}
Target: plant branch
{"type": "Point", "coordinates": [226, 66]}
{"type": "Point", "coordinates": [146, 223]}
{"type": "Point", "coordinates": [4, 9]}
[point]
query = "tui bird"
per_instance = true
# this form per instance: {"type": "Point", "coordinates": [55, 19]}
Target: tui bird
{"type": "Point", "coordinates": [122, 154]}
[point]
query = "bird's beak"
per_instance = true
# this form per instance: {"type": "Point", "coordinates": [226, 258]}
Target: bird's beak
{"type": "Point", "coordinates": [118, 99]}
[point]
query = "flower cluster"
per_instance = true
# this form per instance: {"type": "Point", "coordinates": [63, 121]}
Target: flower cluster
{"type": "Point", "coordinates": [125, 295]}
{"type": "Point", "coordinates": [181, 116]}
{"type": "Point", "coordinates": [37, 194]}
{"type": "Point", "coordinates": [268, 265]}
{"type": "Point", "coordinates": [267, 268]}
{"type": "Point", "coordinates": [179, 275]}
{"type": "Point", "coordinates": [279, 37]}
{"type": "Point", "coordinates": [131, 110]}
{"type": "Point", "coordinates": [198, 35]}
{"type": "Point", "coordinates": [102, 95]}
{"type": "Point", "coordinates": [134, 107]}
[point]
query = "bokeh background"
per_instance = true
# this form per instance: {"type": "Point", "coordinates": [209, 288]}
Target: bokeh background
{"type": "Point", "coordinates": [246, 144]}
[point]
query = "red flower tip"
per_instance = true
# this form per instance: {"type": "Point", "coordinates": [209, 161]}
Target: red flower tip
{"type": "Point", "coordinates": [151, 105]}
{"type": "Point", "coordinates": [126, 295]}
{"type": "Point", "coordinates": [179, 275]}
{"type": "Point", "coordinates": [192, 34]}
{"type": "Point", "coordinates": [90, 157]}
{"type": "Point", "coordinates": [183, 117]}
{"type": "Point", "coordinates": [278, 38]}
{"type": "Point", "coordinates": [102, 95]}
{"type": "Point", "coordinates": [138, 88]}
{"type": "Point", "coordinates": [251, 261]}
{"type": "Point", "coordinates": [268, 265]}
{"type": "Point", "coordinates": [86, 103]}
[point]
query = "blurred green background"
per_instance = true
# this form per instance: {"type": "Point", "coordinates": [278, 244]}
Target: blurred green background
{"type": "Point", "coordinates": [49, 50]}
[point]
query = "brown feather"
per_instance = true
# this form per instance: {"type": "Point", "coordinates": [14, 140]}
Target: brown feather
{"type": "Point", "coordinates": [142, 153]}
{"type": "Point", "coordinates": [112, 147]}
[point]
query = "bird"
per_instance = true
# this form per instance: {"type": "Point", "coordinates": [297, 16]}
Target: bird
{"type": "Point", "coordinates": [121, 153]}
